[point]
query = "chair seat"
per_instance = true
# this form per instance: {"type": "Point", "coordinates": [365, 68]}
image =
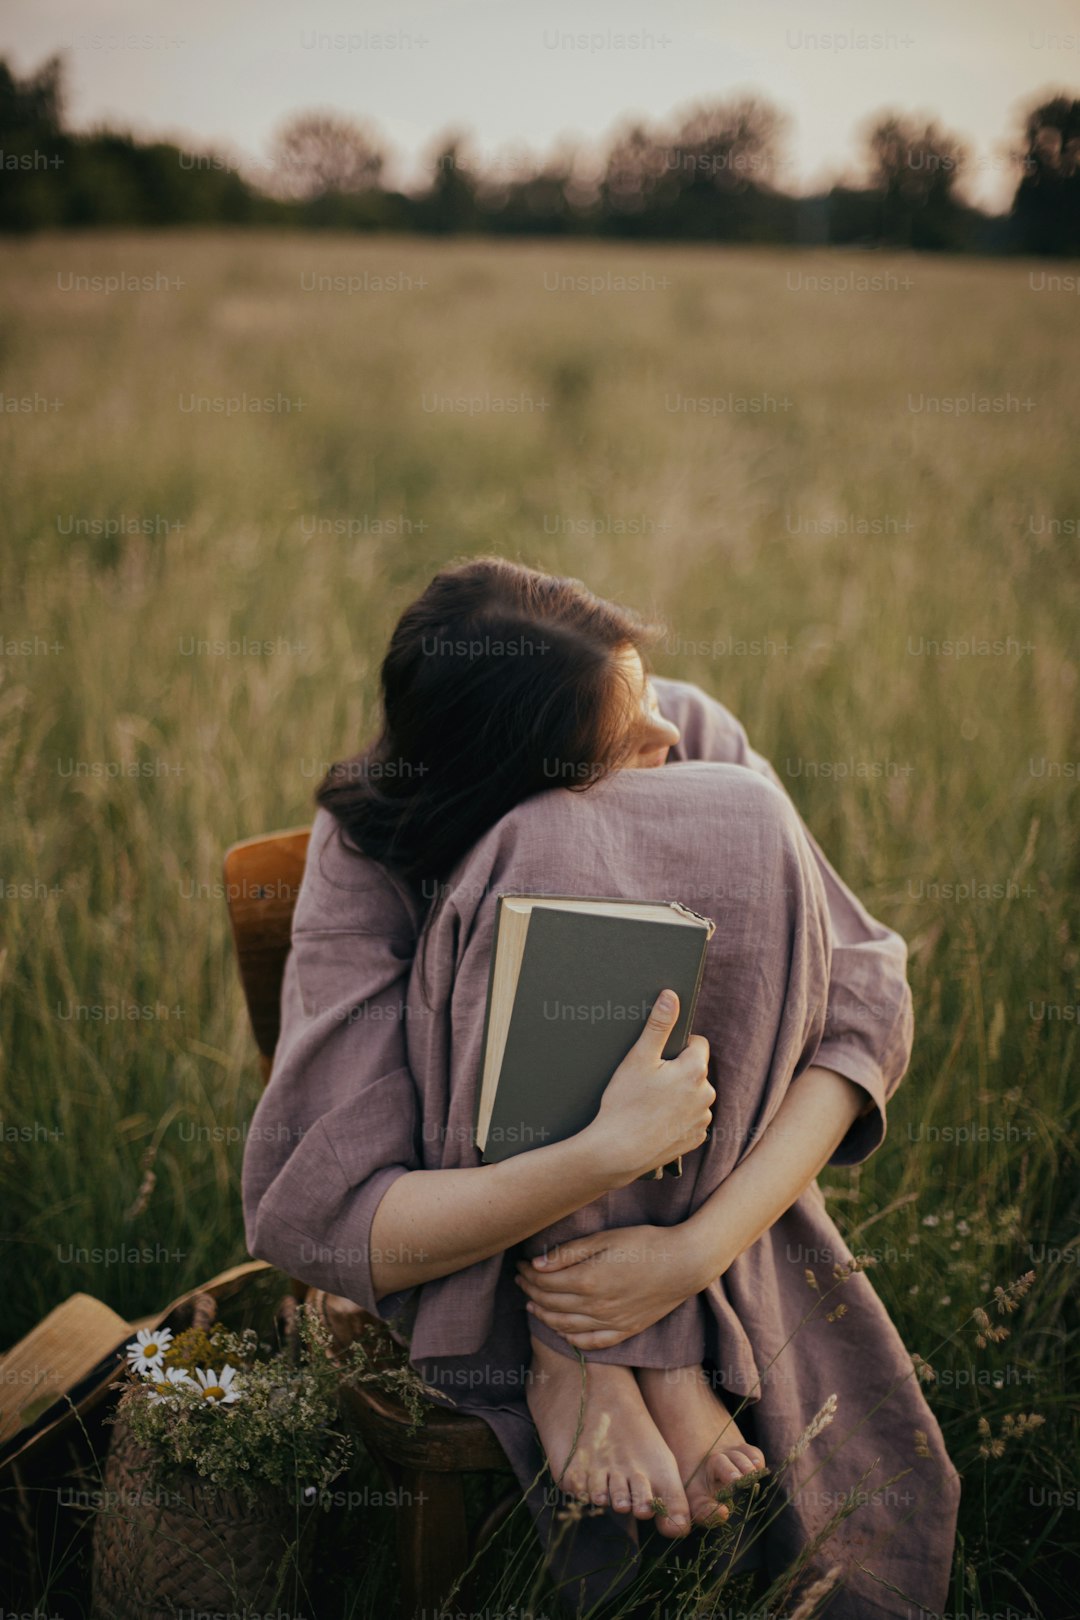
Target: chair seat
{"type": "Point", "coordinates": [445, 1442]}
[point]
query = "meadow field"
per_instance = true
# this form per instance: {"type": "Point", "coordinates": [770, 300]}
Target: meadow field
{"type": "Point", "coordinates": [848, 484]}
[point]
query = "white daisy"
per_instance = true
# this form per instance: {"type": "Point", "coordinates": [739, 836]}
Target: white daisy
{"type": "Point", "coordinates": [146, 1350]}
{"type": "Point", "coordinates": [218, 1387]}
{"type": "Point", "coordinates": [164, 1386]}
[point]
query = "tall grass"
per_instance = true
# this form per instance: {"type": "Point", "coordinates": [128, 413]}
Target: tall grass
{"type": "Point", "coordinates": [132, 759]}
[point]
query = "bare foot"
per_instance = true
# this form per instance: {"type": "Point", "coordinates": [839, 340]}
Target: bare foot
{"type": "Point", "coordinates": [619, 1456]}
{"type": "Point", "coordinates": [703, 1436]}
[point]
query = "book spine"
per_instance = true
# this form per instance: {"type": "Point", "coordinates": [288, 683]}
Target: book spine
{"type": "Point", "coordinates": [697, 984]}
{"type": "Point", "coordinates": [487, 1022]}
{"type": "Point", "coordinates": [675, 1168]}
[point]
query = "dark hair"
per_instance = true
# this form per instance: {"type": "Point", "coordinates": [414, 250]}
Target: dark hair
{"type": "Point", "coordinates": [499, 682]}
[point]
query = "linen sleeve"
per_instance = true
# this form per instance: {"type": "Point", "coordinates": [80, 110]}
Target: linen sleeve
{"type": "Point", "coordinates": [338, 1121]}
{"type": "Point", "coordinates": [869, 1026]}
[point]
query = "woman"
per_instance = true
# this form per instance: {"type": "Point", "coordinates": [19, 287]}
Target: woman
{"type": "Point", "coordinates": [519, 753]}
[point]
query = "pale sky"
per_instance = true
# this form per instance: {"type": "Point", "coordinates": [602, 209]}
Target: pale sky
{"type": "Point", "coordinates": [226, 72]}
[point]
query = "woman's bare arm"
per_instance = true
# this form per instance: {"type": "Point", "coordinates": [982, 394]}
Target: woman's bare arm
{"type": "Point", "coordinates": [815, 1115]}
{"type": "Point", "coordinates": [433, 1222]}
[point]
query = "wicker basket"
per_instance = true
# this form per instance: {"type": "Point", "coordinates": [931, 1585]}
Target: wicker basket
{"type": "Point", "coordinates": [188, 1544]}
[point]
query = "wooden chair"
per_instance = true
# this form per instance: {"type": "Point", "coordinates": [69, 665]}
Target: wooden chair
{"type": "Point", "coordinates": [425, 1468]}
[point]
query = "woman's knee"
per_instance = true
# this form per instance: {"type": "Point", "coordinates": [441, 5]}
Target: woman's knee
{"type": "Point", "coordinates": [745, 859]}
{"type": "Point", "coordinates": [719, 831]}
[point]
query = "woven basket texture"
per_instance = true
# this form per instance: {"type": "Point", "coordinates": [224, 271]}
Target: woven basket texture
{"type": "Point", "coordinates": [159, 1548]}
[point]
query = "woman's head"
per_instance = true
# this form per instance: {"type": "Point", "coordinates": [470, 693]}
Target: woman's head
{"type": "Point", "coordinates": [500, 681]}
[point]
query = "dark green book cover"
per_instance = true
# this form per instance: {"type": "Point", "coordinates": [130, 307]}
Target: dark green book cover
{"type": "Point", "coordinates": [585, 990]}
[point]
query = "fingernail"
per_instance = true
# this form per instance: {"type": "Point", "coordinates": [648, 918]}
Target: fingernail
{"type": "Point", "coordinates": [665, 1001]}
{"type": "Point", "coordinates": [530, 1306]}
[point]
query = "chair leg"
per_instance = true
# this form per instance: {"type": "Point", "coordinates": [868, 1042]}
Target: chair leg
{"type": "Point", "coordinates": [494, 1520]}
{"type": "Point", "coordinates": [432, 1541]}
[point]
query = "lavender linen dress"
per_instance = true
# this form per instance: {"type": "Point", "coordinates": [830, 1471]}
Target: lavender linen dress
{"type": "Point", "coordinates": [369, 1083]}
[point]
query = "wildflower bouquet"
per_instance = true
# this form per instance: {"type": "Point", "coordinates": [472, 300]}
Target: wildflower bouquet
{"type": "Point", "coordinates": [241, 1414]}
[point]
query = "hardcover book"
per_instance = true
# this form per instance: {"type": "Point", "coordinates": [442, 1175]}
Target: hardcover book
{"type": "Point", "coordinates": [571, 985]}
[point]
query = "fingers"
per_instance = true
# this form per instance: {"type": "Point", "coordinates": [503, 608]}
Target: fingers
{"type": "Point", "coordinates": [565, 1305]}
{"type": "Point", "coordinates": [602, 1339]}
{"type": "Point", "coordinates": [583, 1332]}
{"type": "Point", "coordinates": [548, 1292]}
{"type": "Point", "coordinates": [697, 1044]}
{"type": "Point", "coordinates": [565, 1322]}
{"type": "Point", "coordinates": [694, 1056]}
{"type": "Point", "coordinates": [654, 1036]}
{"type": "Point", "coordinates": [570, 1314]}
{"type": "Point", "coordinates": [565, 1254]}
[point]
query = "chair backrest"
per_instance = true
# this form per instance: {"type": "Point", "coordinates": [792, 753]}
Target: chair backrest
{"type": "Point", "coordinates": [262, 880]}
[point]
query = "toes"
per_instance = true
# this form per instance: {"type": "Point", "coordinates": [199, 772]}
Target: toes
{"type": "Point", "coordinates": [724, 1468]}
{"type": "Point", "coordinates": [598, 1488]}
{"type": "Point", "coordinates": [701, 1493]}
{"type": "Point", "coordinates": [727, 1469]}
{"type": "Point", "coordinates": [747, 1459]}
{"type": "Point", "coordinates": [707, 1512]}
{"type": "Point", "coordinates": [641, 1493]}
{"type": "Point", "coordinates": [619, 1489]}
{"type": "Point", "coordinates": [670, 1523]}
{"type": "Point", "coordinates": [673, 1513]}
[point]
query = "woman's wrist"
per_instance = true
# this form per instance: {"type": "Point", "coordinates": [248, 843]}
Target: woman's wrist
{"type": "Point", "coordinates": [604, 1166]}
{"type": "Point", "coordinates": [704, 1248]}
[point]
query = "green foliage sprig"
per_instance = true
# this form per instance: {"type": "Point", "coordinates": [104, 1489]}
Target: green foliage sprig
{"type": "Point", "coordinates": [216, 1402]}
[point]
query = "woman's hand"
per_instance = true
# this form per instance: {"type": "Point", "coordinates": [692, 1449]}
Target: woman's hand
{"type": "Point", "coordinates": [653, 1108]}
{"type": "Point", "coordinates": [597, 1291]}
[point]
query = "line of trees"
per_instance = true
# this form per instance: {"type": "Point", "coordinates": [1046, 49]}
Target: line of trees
{"type": "Point", "coordinates": [710, 175]}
